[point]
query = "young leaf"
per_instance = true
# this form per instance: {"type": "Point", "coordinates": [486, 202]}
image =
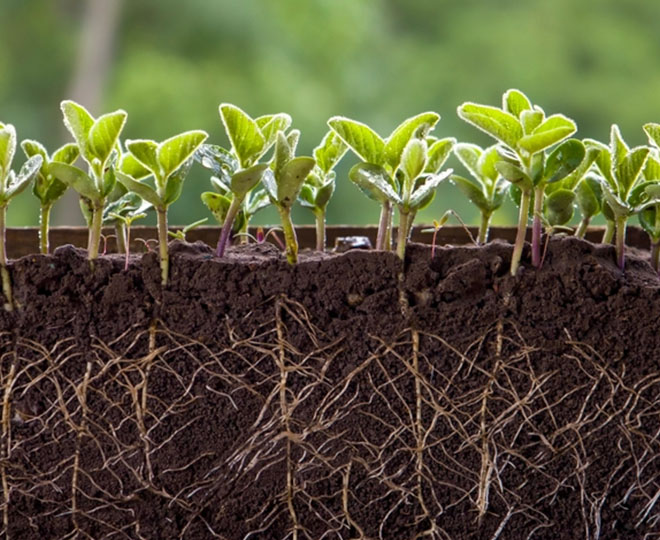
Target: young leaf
{"type": "Point", "coordinates": [7, 148]}
{"type": "Point", "coordinates": [132, 167]}
{"type": "Point", "coordinates": [530, 120]}
{"type": "Point", "coordinates": [373, 180]}
{"type": "Point", "coordinates": [75, 178]}
{"type": "Point", "coordinates": [627, 171]}
{"type": "Point", "coordinates": [618, 148]}
{"type": "Point", "coordinates": [564, 160]}
{"type": "Point", "coordinates": [143, 190]}
{"type": "Point", "coordinates": [472, 191]}
{"type": "Point", "coordinates": [270, 125]}
{"type": "Point", "coordinates": [146, 152]}
{"type": "Point", "coordinates": [67, 153]}
{"type": "Point", "coordinates": [468, 154]}
{"type": "Point", "coordinates": [329, 152]}
{"type": "Point", "coordinates": [559, 206]}
{"type": "Point", "coordinates": [291, 178]}
{"type": "Point", "coordinates": [515, 102]}
{"type": "Point", "coordinates": [589, 195]}
{"type": "Point", "coordinates": [413, 159]}
{"type": "Point", "coordinates": [24, 177]}
{"type": "Point", "coordinates": [497, 123]}
{"type": "Point", "coordinates": [78, 121]}
{"type": "Point", "coordinates": [35, 148]}
{"type": "Point", "coordinates": [364, 141]}
{"type": "Point", "coordinates": [487, 161]}
{"type": "Point", "coordinates": [653, 133]}
{"type": "Point", "coordinates": [514, 174]}
{"type": "Point", "coordinates": [103, 134]}
{"type": "Point", "coordinates": [426, 187]}
{"type": "Point", "coordinates": [173, 152]}
{"type": "Point", "coordinates": [246, 138]}
{"type": "Point", "coordinates": [555, 129]}
{"type": "Point", "coordinates": [324, 194]}
{"type": "Point", "coordinates": [415, 127]}
{"type": "Point", "coordinates": [218, 205]}
{"type": "Point", "coordinates": [438, 153]}
{"type": "Point", "coordinates": [244, 181]}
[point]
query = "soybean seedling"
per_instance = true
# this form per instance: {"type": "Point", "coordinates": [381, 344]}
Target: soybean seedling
{"type": "Point", "coordinates": [238, 171]}
{"type": "Point", "coordinates": [283, 181]}
{"type": "Point", "coordinates": [525, 133]}
{"type": "Point", "coordinates": [11, 184]}
{"type": "Point", "coordinates": [169, 162]}
{"type": "Point", "coordinates": [46, 187]}
{"type": "Point", "coordinates": [124, 211]}
{"type": "Point", "coordinates": [625, 191]}
{"type": "Point", "coordinates": [486, 188]}
{"type": "Point", "coordinates": [97, 143]}
{"type": "Point", "coordinates": [319, 186]}
{"type": "Point", "coordinates": [382, 157]}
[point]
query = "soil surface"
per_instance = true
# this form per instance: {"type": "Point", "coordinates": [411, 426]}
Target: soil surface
{"type": "Point", "coordinates": [349, 397]}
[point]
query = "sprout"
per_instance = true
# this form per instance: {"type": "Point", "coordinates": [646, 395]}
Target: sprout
{"type": "Point", "coordinates": [97, 142]}
{"type": "Point", "coordinates": [320, 184]}
{"type": "Point", "coordinates": [237, 172]}
{"type": "Point", "coordinates": [625, 192]}
{"type": "Point", "coordinates": [525, 133]}
{"type": "Point", "coordinates": [169, 162]}
{"type": "Point", "coordinates": [283, 182]}
{"type": "Point", "coordinates": [402, 170]}
{"type": "Point", "coordinates": [46, 187]}
{"type": "Point", "coordinates": [486, 190]}
{"type": "Point", "coordinates": [124, 211]}
{"type": "Point", "coordinates": [181, 234]}
{"type": "Point", "coordinates": [11, 184]}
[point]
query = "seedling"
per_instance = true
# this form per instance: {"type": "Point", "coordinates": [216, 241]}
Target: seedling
{"type": "Point", "coordinates": [11, 184]}
{"type": "Point", "coordinates": [525, 133]}
{"type": "Point", "coordinates": [486, 188]}
{"type": "Point", "coordinates": [181, 234]}
{"type": "Point", "coordinates": [124, 211]}
{"type": "Point", "coordinates": [97, 143]}
{"type": "Point", "coordinates": [589, 197]}
{"type": "Point", "coordinates": [237, 172]}
{"type": "Point", "coordinates": [320, 184]}
{"type": "Point", "coordinates": [46, 187]}
{"type": "Point", "coordinates": [283, 181]}
{"type": "Point", "coordinates": [625, 191]}
{"type": "Point", "coordinates": [169, 162]}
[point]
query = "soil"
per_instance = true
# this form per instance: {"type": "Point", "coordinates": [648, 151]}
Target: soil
{"type": "Point", "coordinates": [351, 396]}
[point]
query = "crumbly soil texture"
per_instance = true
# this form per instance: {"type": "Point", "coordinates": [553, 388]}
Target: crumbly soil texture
{"type": "Point", "coordinates": [349, 397]}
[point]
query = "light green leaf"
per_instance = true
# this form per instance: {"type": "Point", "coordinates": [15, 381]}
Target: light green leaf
{"type": "Point", "coordinates": [283, 152]}
{"type": "Point", "coordinates": [564, 160]}
{"type": "Point", "coordinates": [438, 153]}
{"type": "Point", "coordinates": [217, 204]}
{"type": "Point", "coordinates": [78, 121]}
{"type": "Point", "coordinates": [330, 151]}
{"type": "Point", "coordinates": [603, 160]}
{"type": "Point", "coordinates": [7, 149]}
{"type": "Point", "coordinates": [652, 168]}
{"type": "Point", "coordinates": [306, 196]}
{"type": "Point", "coordinates": [29, 170]}
{"type": "Point", "coordinates": [486, 164]}
{"type": "Point", "coordinates": [146, 152]}
{"type": "Point", "coordinates": [653, 133]}
{"type": "Point", "coordinates": [246, 138]}
{"type": "Point", "coordinates": [553, 130]}
{"type": "Point", "coordinates": [109, 182]}
{"type": "Point", "coordinates": [35, 148]}
{"type": "Point", "coordinates": [416, 127]}
{"type": "Point", "coordinates": [413, 159]}
{"type": "Point", "coordinates": [324, 194]}
{"type": "Point", "coordinates": [270, 185]}
{"type": "Point", "coordinates": [132, 167]}
{"type": "Point", "coordinates": [360, 138]}
{"type": "Point", "coordinates": [75, 178]}
{"type": "Point", "coordinates": [499, 124]}
{"type": "Point", "coordinates": [472, 191]}
{"type": "Point", "coordinates": [292, 139]}
{"type": "Point", "coordinates": [173, 152]}
{"type": "Point", "coordinates": [270, 125]}
{"type": "Point", "coordinates": [618, 148]}
{"type": "Point", "coordinates": [374, 181]}
{"type": "Point", "coordinates": [104, 133]}
{"type": "Point", "coordinates": [559, 207]}
{"type": "Point", "coordinates": [426, 187]}
{"type": "Point", "coordinates": [247, 179]}
{"type": "Point", "coordinates": [515, 102]}
{"type": "Point", "coordinates": [143, 190]}
{"type": "Point", "coordinates": [174, 184]}
{"type": "Point", "coordinates": [530, 120]}
{"type": "Point", "coordinates": [468, 154]}
{"type": "Point", "coordinates": [291, 178]}
{"type": "Point", "coordinates": [67, 153]}
{"type": "Point", "coordinates": [618, 206]}
{"type": "Point", "coordinates": [589, 194]}
{"type": "Point", "coordinates": [514, 174]}
{"type": "Point", "coordinates": [628, 170]}
{"type": "Point", "coordinates": [584, 167]}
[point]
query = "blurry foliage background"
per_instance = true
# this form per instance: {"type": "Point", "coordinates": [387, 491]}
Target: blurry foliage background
{"type": "Point", "coordinates": [171, 62]}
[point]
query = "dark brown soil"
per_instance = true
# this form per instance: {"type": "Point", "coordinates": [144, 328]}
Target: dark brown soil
{"type": "Point", "coordinates": [347, 397]}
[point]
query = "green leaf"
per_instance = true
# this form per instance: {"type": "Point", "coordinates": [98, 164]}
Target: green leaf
{"type": "Point", "coordinates": [360, 138]}
{"type": "Point", "coordinates": [559, 207]}
{"type": "Point", "coordinates": [472, 191]}
{"type": "Point", "coordinates": [603, 160]}
{"type": "Point", "coordinates": [553, 130]}
{"type": "Point", "coordinates": [330, 151]}
{"type": "Point", "coordinates": [515, 102]}
{"type": "Point", "coordinates": [292, 139]}
{"type": "Point", "coordinates": [132, 167]}
{"type": "Point", "coordinates": [67, 153]}
{"type": "Point", "coordinates": [244, 133]}
{"type": "Point", "coordinates": [306, 196]}
{"type": "Point", "coordinates": [222, 162]}
{"type": "Point", "coordinates": [618, 148]}
{"type": "Point", "coordinates": [590, 157]}
{"type": "Point", "coordinates": [291, 178]}
{"type": "Point", "coordinates": [174, 184]}
{"type": "Point", "coordinates": [217, 204]}
{"type": "Point", "coordinates": [143, 190]}
{"type": "Point", "coordinates": [270, 184]}
{"type": "Point", "coordinates": [486, 164]}
{"type": "Point", "coordinates": [270, 125]}
{"type": "Point", "coordinates": [530, 120]}
{"type": "Point", "coordinates": [413, 159]}
{"type": "Point", "coordinates": [146, 152]}
{"type": "Point", "coordinates": [652, 168]}
{"type": "Point", "coordinates": [7, 149]}
{"type": "Point", "coordinates": [79, 123]}
{"type": "Point", "coordinates": [416, 127]}
{"type": "Point", "coordinates": [35, 148]}
{"type": "Point", "coordinates": [283, 152]}
{"type": "Point", "coordinates": [653, 133]}
{"type": "Point", "coordinates": [256, 200]}
{"type": "Point", "coordinates": [618, 206]}
{"type": "Point", "coordinates": [173, 152]}
{"type": "Point", "coordinates": [104, 133]}
{"type": "Point", "coordinates": [468, 154]}
{"type": "Point", "coordinates": [514, 174]}
{"type": "Point", "coordinates": [589, 195]}
{"type": "Point", "coordinates": [438, 153]}
{"type": "Point", "coordinates": [497, 123]}
{"type": "Point", "coordinates": [247, 179]}
{"type": "Point", "coordinates": [109, 181]}
{"type": "Point", "coordinates": [324, 194]}
{"type": "Point", "coordinates": [647, 219]}
{"type": "Point", "coordinates": [564, 160]}
{"type": "Point", "coordinates": [374, 181]}
{"type": "Point", "coordinates": [628, 170]}
{"type": "Point", "coordinates": [426, 187]}
{"type": "Point", "coordinates": [75, 178]}
{"type": "Point", "coordinates": [28, 171]}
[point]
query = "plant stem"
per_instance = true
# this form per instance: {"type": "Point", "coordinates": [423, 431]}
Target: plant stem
{"type": "Point", "coordinates": [483, 228]}
{"type": "Point", "coordinates": [609, 233]}
{"type": "Point", "coordinates": [6, 278]}
{"type": "Point", "coordinates": [621, 223]}
{"type": "Point", "coordinates": [402, 236]}
{"type": "Point", "coordinates": [120, 233]}
{"type": "Point", "coordinates": [44, 218]}
{"type": "Point", "coordinates": [289, 235]}
{"type": "Point", "coordinates": [243, 232]}
{"type": "Point", "coordinates": [655, 255]}
{"type": "Point", "coordinates": [536, 226]}
{"type": "Point", "coordinates": [582, 229]}
{"type": "Point", "coordinates": [522, 230]}
{"type": "Point", "coordinates": [95, 232]}
{"type": "Point", "coordinates": [128, 245]}
{"type": "Point", "coordinates": [384, 224]}
{"type": "Point", "coordinates": [320, 230]}
{"type": "Point", "coordinates": [162, 244]}
{"type": "Point", "coordinates": [227, 225]}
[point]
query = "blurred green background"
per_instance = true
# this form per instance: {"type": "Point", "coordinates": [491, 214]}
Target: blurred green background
{"type": "Point", "coordinates": [169, 63]}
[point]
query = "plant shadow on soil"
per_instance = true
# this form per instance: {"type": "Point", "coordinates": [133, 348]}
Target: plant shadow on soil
{"type": "Point", "coordinates": [350, 396]}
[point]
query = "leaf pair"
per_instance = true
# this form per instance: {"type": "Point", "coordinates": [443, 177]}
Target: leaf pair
{"type": "Point", "coordinates": [486, 187]}
{"type": "Point", "coordinates": [47, 188]}
{"type": "Point", "coordinates": [11, 184]}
